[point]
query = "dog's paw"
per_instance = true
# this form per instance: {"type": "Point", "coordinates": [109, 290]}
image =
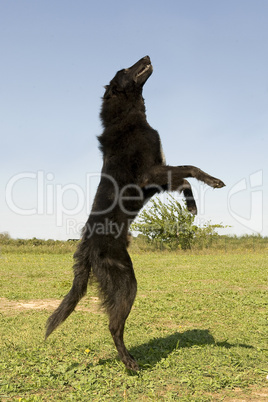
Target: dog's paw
{"type": "Point", "coordinates": [215, 183]}
{"type": "Point", "coordinates": [191, 206]}
{"type": "Point", "coordinates": [192, 209]}
{"type": "Point", "coordinates": [131, 364]}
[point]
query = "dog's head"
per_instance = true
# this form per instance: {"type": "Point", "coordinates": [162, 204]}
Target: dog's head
{"type": "Point", "coordinates": [130, 79]}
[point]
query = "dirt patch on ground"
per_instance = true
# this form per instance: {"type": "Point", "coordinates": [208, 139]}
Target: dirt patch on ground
{"type": "Point", "coordinates": [44, 304]}
{"type": "Point", "coordinates": [239, 395]}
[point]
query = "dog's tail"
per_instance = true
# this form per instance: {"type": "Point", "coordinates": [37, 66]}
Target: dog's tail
{"type": "Point", "coordinates": [82, 269]}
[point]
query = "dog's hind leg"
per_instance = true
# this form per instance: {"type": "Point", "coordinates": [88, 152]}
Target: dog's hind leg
{"type": "Point", "coordinates": [117, 318]}
{"type": "Point", "coordinates": [118, 287]}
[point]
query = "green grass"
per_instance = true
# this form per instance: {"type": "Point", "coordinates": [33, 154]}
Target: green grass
{"type": "Point", "coordinates": [205, 243]}
{"type": "Point", "coordinates": [198, 329]}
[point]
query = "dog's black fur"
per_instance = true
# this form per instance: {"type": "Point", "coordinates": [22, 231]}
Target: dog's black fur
{"type": "Point", "coordinates": [133, 170]}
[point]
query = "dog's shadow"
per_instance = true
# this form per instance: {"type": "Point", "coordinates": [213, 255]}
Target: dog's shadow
{"type": "Point", "coordinates": [150, 353]}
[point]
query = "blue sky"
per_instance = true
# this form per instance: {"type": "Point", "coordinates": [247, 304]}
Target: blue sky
{"type": "Point", "coordinates": [207, 97]}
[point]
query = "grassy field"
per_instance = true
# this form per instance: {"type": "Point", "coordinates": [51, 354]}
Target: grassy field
{"type": "Point", "coordinates": [198, 329]}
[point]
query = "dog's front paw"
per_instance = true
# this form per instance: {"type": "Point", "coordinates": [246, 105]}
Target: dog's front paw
{"type": "Point", "coordinates": [191, 206]}
{"type": "Point", "coordinates": [215, 183]}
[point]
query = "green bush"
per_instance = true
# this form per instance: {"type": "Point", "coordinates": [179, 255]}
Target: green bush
{"type": "Point", "coordinates": [170, 225]}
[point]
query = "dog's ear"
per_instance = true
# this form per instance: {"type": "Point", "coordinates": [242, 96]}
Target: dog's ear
{"type": "Point", "coordinates": [109, 92]}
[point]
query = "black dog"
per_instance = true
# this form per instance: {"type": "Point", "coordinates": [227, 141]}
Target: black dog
{"type": "Point", "coordinates": [133, 170]}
